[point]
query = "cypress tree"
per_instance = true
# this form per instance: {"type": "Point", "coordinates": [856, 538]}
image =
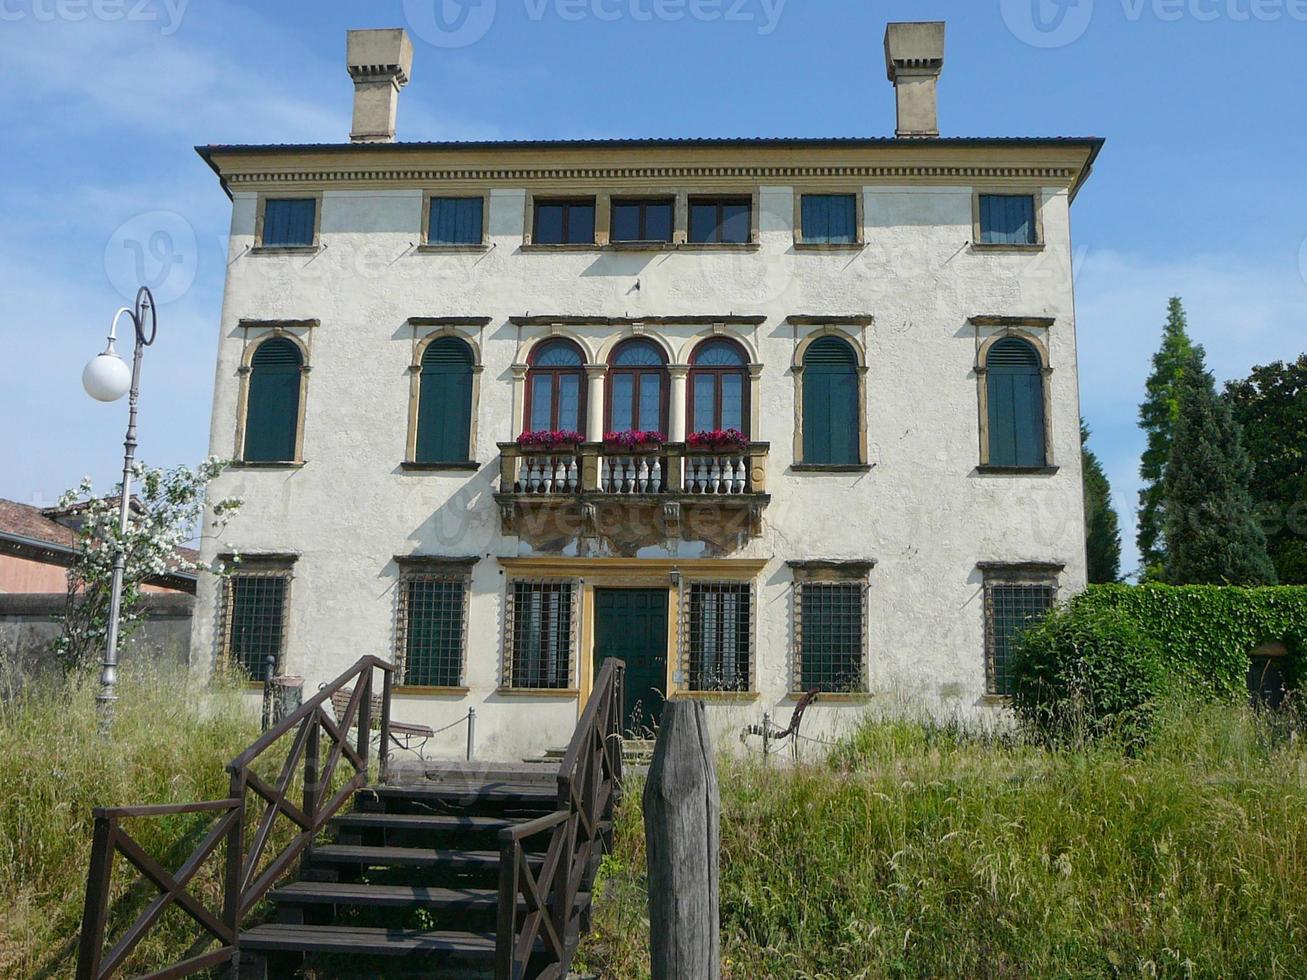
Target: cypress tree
{"type": "Point", "coordinates": [1157, 418]}
{"type": "Point", "coordinates": [1102, 526]}
{"type": "Point", "coordinates": [1212, 536]}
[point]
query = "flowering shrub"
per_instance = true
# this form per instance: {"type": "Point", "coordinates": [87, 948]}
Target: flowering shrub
{"type": "Point", "coordinates": [547, 438]}
{"type": "Point", "coordinates": [719, 439]}
{"type": "Point", "coordinates": [171, 503]}
{"type": "Point", "coordinates": [634, 439]}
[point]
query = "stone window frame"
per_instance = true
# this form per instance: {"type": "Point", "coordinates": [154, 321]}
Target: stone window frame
{"type": "Point", "coordinates": [256, 333]}
{"type": "Point", "coordinates": [827, 572]}
{"type": "Point", "coordinates": [830, 327]}
{"type": "Point", "coordinates": [612, 197]}
{"type": "Point", "coordinates": [1029, 330]}
{"type": "Point", "coordinates": [1019, 190]}
{"type": "Point", "coordinates": [683, 593]}
{"type": "Point", "coordinates": [754, 195]}
{"type": "Point", "coordinates": [506, 684]}
{"type": "Point", "coordinates": [247, 566]}
{"type": "Point", "coordinates": [860, 205]}
{"type": "Point", "coordinates": [439, 328]}
{"type": "Point", "coordinates": [568, 194]}
{"type": "Point", "coordinates": [431, 568]}
{"type": "Point", "coordinates": [454, 191]}
{"type": "Point", "coordinates": [1027, 574]}
{"type": "Point", "coordinates": [261, 205]}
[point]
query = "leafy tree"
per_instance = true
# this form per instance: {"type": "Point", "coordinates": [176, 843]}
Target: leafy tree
{"type": "Point", "coordinates": [1102, 526]}
{"type": "Point", "coordinates": [170, 505]}
{"type": "Point", "coordinates": [1157, 418]}
{"type": "Point", "coordinates": [1271, 407]}
{"type": "Point", "coordinates": [1212, 535]}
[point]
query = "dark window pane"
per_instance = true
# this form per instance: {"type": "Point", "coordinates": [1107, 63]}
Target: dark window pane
{"type": "Point", "coordinates": [433, 632]}
{"type": "Point", "coordinates": [557, 354]}
{"type": "Point", "coordinates": [288, 222]}
{"type": "Point", "coordinates": [735, 223]}
{"type": "Point", "coordinates": [658, 222]}
{"type": "Point", "coordinates": [254, 629]}
{"type": "Point", "coordinates": [549, 224]}
{"type": "Point", "coordinates": [703, 223]}
{"type": "Point", "coordinates": [719, 637]}
{"type": "Point", "coordinates": [732, 402]}
{"type": "Point", "coordinates": [581, 224]}
{"type": "Point", "coordinates": [626, 222]}
{"type": "Point", "coordinates": [831, 637]}
{"type": "Point", "coordinates": [623, 415]}
{"type": "Point", "coordinates": [705, 403]}
{"type": "Point", "coordinates": [569, 403]}
{"type": "Point", "coordinates": [541, 635]}
{"type": "Point", "coordinates": [830, 219]}
{"type": "Point", "coordinates": [455, 221]}
{"type": "Point", "coordinates": [542, 403]}
{"type": "Point", "coordinates": [651, 400]}
{"type": "Point", "coordinates": [1010, 609]}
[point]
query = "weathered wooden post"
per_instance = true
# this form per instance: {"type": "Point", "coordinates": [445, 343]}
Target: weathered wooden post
{"type": "Point", "coordinates": [682, 811]}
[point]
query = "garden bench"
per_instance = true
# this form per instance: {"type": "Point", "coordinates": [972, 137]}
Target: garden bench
{"type": "Point", "coordinates": [412, 738]}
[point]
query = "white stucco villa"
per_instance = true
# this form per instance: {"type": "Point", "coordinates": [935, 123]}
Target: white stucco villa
{"type": "Point", "coordinates": [839, 377]}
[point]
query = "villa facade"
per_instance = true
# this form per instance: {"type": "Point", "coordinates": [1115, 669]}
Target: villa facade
{"type": "Point", "coordinates": [758, 417]}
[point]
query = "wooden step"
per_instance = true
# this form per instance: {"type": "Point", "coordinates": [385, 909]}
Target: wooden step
{"type": "Point", "coordinates": [356, 941]}
{"type": "Point", "coordinates": [427, 821]}
{"type": "Point", "coordinates": [524, 793]}
{"type": "Point", "coordinates": [395, 896]}
{"type": "Point", "coordinates": [410, 857]}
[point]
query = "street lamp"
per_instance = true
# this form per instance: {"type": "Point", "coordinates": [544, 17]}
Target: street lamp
{"type": "Point", "coordinates": [106, 378]}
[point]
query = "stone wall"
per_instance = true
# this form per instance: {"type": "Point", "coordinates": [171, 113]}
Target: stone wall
{"type": "Point", "coordinates": [29, 624]}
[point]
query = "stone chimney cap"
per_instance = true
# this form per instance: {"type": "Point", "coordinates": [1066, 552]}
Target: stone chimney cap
{"type": "Point", "coordinates": [914, 47]}
{"type": "Point", "coordinates": [384, 51]}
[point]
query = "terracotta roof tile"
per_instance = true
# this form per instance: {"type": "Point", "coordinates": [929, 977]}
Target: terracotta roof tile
{"type": "Point", "coordinates": [27, 521]}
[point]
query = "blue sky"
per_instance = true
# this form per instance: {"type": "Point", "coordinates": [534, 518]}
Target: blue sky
{"type": "Point", "coordinates": [1200, 191]}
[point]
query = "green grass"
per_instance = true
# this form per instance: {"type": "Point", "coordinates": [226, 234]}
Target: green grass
{"type": "Point", "coordinates": [54, 767]}
{"type": "Point", "coordinates": [917, 850]}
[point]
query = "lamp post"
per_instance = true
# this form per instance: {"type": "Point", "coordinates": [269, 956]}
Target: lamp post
{"type": "Point", "coordinates": [106, 378]}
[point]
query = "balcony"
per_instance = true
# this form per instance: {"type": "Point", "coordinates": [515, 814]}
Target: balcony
{"type": "Point", "coordinates": [592, 485]}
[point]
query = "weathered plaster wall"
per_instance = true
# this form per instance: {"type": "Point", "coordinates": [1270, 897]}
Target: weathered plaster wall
{"type": "Point", "coordinates": [922, 512]}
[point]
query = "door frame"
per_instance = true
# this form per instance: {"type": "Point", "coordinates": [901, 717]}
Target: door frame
{"type": "Point", "coordinates": [672, 605]}
{"type": "Point", "coordinates": [671, 574]}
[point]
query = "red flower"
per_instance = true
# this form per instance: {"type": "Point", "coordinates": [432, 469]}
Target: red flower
{"type": "Point", "coordinates": [719, 439]}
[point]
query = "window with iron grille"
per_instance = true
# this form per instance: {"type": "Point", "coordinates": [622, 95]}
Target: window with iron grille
{"type": "Point", "coordinates": [830, 636]}
{"type": "Point", "coordinates": [540, 635]}
{"type": "Point", "coordinates": [254, 626]}
{"type": "Point", "coordinates": [718, 636]}
{"type": "Point", "coordinates": [1009, 608]}
{"type": "Point", "coordinates": [429, 636]}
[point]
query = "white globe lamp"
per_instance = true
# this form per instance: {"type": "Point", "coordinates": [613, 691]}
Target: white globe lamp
{"type": "Point", "coordinates": [107, 376]}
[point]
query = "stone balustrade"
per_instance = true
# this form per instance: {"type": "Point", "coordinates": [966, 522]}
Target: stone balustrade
{"type": "Point", "coordinates": [674, 469]}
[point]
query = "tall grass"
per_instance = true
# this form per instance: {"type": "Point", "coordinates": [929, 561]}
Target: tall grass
{"type": "Point", "coordinates": [166, 747]}
{"type": "Point", "coordinates": [918, 850]}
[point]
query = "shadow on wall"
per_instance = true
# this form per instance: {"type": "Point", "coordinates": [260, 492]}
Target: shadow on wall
{"type": "Point", "coordinates": [30, 623]}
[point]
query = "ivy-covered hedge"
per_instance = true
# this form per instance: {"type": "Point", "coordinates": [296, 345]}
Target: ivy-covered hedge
{"type": "Point", "coordinates": [1206, 632]}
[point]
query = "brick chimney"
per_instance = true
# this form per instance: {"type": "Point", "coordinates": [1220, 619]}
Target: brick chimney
{"type": "Point", "coordinates": [379, 61]}
{"type": "Point", "coordinates": [914, 58]}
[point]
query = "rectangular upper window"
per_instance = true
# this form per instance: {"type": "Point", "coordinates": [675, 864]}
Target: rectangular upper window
{"type": "Point", "coordinates": [455, 221]}
{"type": "Point", "coordinates": [289, 222]}
{"type": "Point", "coordinates": [721, 220]}
{"type": "Point", "coordinates": [540, 637]}
{"type": "Point", "coordinates": [1008, 219]}
{"type": "Point", "coordinates": [830, 219]}
{"type": "Point", "coordinates": [830, 637]}
{"type": "Point", "coordinates": [719, 636]}
{"type": "Point", "coordinates": [564, 222]}
{"type": "Point", "coordinates": [431, 627]}
{"type": "Point", "coordinates": [254, 629]}
{"type": "Point", "coordinates": [649, 220]}
{"type": "Point", "coordinates": [1009, 608]}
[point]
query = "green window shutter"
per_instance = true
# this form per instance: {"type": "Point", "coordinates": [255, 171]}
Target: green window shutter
{"type": "Point", "coordinates": [830, 403]}
{"type": "Point", "coordinates": [1007, 219]}
{"type": "Point", "coordinates": [832, 636]}
{"type": "Point", "coordinates": [445, 403]}
{"type": "Point", "coordinates": [455, 221]}
{"type": "Point", "coordinates": [1015, 381]}
{"type": "Point", "coordinates": [288, 222]}
{"type": "Point", "coordinates": [272, 408]}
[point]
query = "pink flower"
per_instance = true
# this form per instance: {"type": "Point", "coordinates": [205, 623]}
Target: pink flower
{"type": "Point", "coordinates": [719, 438]}
{"type": "Point", "coordinates": [550, 437]}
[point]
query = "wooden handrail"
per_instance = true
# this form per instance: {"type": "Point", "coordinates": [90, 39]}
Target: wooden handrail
{"type": "Point", "coordinates": [244, 880]}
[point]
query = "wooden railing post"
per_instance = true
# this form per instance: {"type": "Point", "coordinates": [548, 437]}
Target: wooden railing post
{"type": "Point", "coordinates": [682, 810]}
{"type": "Point", "coordinates": [506, 917]}
{"type": "Point", "coordinates": [233, 884]}
{"type": "Point", "coordinates": [96, 910]}
{"type": "Point", "coordinates": [383, 749]}
{"type": "Point", "coordinates": [364, 690]}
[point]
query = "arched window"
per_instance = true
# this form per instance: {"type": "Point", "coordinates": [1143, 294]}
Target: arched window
{"type": "Point", "coordinates": [831, 420]}
{"type": "Point", "coordinates": [719, 387]}
{"type": "Point", "coordinates": [444, 423]}
{"type": "Point", "coordinates": [555, 383]}
{"type": "Point", "coordinates": [637, 388]}
{"type": "Point", "coordinates": [1015, 381]}
{"type": "Point", "coordinates": [272, 402]}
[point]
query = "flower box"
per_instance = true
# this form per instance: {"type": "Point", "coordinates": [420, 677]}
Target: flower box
{"type": "Point", "coordinates": [561, 440]}
{"type": "Point", "coordinates": [634, 441]}
{"type": "Point", "coordinates": [719, 440]}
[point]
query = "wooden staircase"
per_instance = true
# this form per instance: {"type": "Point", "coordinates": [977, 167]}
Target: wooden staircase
{"type": "Point", "coordinates": [431, 872]}
{"type": "Point", "coordinates": [411, 876]}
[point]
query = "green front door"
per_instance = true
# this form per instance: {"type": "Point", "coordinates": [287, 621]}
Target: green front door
{"type": "Point", "coordinates": [631, 626]}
